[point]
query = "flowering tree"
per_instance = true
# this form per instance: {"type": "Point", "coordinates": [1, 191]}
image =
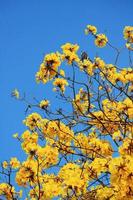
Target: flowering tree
{"type": "Point", "coordinates": [82, 150]}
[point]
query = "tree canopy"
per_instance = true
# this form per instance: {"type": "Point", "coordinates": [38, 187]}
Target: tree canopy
{"type": "Point", "coordinates": [83, 147]}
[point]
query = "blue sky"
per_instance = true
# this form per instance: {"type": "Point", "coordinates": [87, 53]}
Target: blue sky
{"type": "Point", "coordinates": [29, 30]}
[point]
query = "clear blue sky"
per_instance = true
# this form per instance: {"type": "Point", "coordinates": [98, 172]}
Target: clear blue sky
{"type": "Point", "coordinates": [28, 30]}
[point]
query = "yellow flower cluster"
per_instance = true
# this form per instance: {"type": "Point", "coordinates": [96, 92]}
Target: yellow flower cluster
{"type": "Point", "coordinates": [127, 147]}
{"type": "Point", "coordinates": [14, 163]}
{"type": "Point", "coordinates": [121, 177]}
{"type": "Point", "coordinates": [29, 144]}
{"type": "Point", "coordinates": [60, 83]}
{"type": "Point", "coordinates": [105, 193]}
{"type": "Point", "coordinates": [99, 63]}
{"type": "Point", "coordinates": [32, 121]}
{"type": "Point", "coordinates": [93, 146]}
{"type": "Point", "coordinates": [107, 71]}
{"type": "Point", "coordinates": [100, 39]}
{"type": "Point", "coordinates": [113, 114]}
{"type": "Point", "coordinates": [70, 53]}
{"type": "Point", "coordinates": [27, 173]}
{"type": "Point", "coordinates": [49, 67]}
{"type": "Point", "coordinates": [59, 135]}
{"type": "Point", "coordinates": [73, 178]}
{"type": "Point", "coordinates": [110, 72]}
{"type": "Point", "coordinates": [87, 152]}
{"type": "Point", "coordinates": [52, 185]}
{"type": "Point", "coordinates": [9, 192]}
{"type": "Point", "coordinates": [47, 156]}
{"type": "Point", "coordinates": [96, 168]}
{"type": "Point", "coordinates": [90, 67]}
{"type": "Point", "coordinates": [87, 66]}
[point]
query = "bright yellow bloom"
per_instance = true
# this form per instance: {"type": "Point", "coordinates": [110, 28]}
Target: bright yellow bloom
{"type": "Point", "coordinates": [7, 191]}
{"type": "Point", "coordinates": [127, 147]}
{"type": "Point", "coordinates": [27, 173]}
{"type": "Point", "coordinates": [93, 146]}
{"type": "Point", "coordinates": [127, 32]}
{"type": "Point", "coordinates": [105, 193]}
{"type": "Point", "coordinates": [69, 53]}
{"type": "Point", "coordinates": [61, 84]}
{"type": "Point", "coordinates": [47, 155]}
{"type": "Point", "coordinates": [5, 164]}
{"type": "Point", "coordinates": [101, 40]}
{"type": "Point", "coordinates": [32, 120]}
{"type": "Point", "coordinates": [99, 63]}
{"type": "Point", "coordinates": [90, 29]}
{"type": "Point", "coordinates": [70, 57]}
{"type": "Point", "coordinates": [70, 47]}
{"type": "Point", "coordinates": [49, 67]}
{"type": "Point", "coordinates": [73, 177]}
{"type": "Point", "coordinates": [44, 104]}
{"type": "Point", "coordinates": [14, 162]}
{"type": "Point", "coordinates": [86, 65]}
{"type": "Point", "coordinates": [29, 144]}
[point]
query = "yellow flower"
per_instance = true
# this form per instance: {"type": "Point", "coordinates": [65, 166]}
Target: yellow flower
{"type": "Point", "coordinates": [70, 47]}
{"type": "Point", "coordinates": [73, 176]}
{"type": "Point", "coordinates": [26, 135]}
{"type": "Point", "coordinates": [27, 173]}
{"type": "Point", "coordinates": [52, 186]}
{"type": "Point", "coordinates": [90, 29]}
{"type": "Point", "coordinates": [105, 193]}
{"type": "Point", "coordinates": [69, 53]}
{"type": "Point", "coordinates": [49, 67]}
{"type": "Point", "coordinates": [15, 93]}
{"type": "Point", "coordinates": [60, 83]}
{"type": "Point", "coordinates": [101, 40]}
{"type": "Point", "coordinates": [30, 147]}
{"type": "Point", "coordinates": [5, 164]}
{"type": "Point", "coordinates": [127, 32]}
{"type": "Point", "coordinates": [99, 63]}
{"type": "Point", "coordinates": [127, 147]}
{"type": "Point", "coordinates": [70, 57]}
{"type": "Point", "coordinates": [32, 120]}
{"type": "Point", "coordinates": [44, 104]}
{"type": "Point", "coordinates": [14, 162]}
{"type": "Point", "coordinates": [7, 191]}
{"type": "Point", "coordinates": [48, 155]}
{"type": "Point", "coordinates": [52, 60]}
{"type": "Point", "coordinates": [86, 65]}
